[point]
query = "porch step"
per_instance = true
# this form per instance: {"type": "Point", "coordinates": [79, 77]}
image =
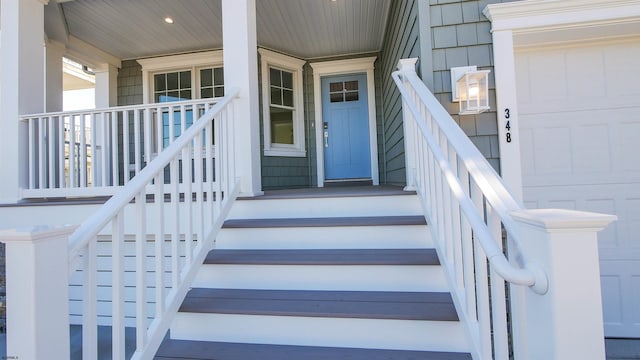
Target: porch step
{"type": "Point", "coordinates": [331, 276]}
{"type": "Point", "coordinates": [325, 222]}
{"type": "Point", "coordinates": [343, 304]}
{"type": "Point", "coordinates": [325, 257]}
{"type": "Point", "coordinates": [201, 350]}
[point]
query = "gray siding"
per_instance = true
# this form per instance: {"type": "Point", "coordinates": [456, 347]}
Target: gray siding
{"type": "Point", "coordinates": [402, 40]}
{"type": "Point", "coordinates": [130, 83]}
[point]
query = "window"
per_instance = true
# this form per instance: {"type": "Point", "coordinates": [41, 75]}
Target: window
{"type": "Point", "coordinates": [178, 78]}
{"type": "Point", "coordinates": [282, 105]}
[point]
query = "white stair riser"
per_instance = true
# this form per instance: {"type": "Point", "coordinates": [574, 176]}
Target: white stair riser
{"type": "Point", "coordinates": [323, 277]}
{"type": "Point", "coordinates": [326, 207]}
{"type": "Point", "coordinates": [347, 237]}
{"type": "Point", "coordinates": [315, 331]}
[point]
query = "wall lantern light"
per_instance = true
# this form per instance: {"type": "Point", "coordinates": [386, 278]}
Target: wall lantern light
{"type": "Point", "coordinates": [470, 88]}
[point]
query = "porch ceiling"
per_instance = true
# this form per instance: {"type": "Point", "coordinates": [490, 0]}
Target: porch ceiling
{"type": "Point", "coordinates": [304, 28]}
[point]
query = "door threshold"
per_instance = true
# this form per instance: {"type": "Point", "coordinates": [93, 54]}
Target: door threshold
{"type": "Point", "coordinates": [348, 182]}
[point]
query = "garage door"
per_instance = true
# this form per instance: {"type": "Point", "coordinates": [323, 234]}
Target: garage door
{"type": "Point", "coordinates": [580, 143]}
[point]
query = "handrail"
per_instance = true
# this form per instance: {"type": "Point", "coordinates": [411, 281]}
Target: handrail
{"type": "Point", "coordinates": [90, 228]}
{"type": "Point", "coordinates": [176, 230]}
{"type": "Point", "coordinates": [492, 188]}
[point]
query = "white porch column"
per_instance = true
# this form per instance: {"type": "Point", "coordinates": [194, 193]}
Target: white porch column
{"type": "Point", "coordinates": [54, 52]}
{"type": "Point", "coordinates": [408, 65]}
{"type": "Point", "coordinates": [106, 86]}
{"type": "Point", "coordinates": [566, 322]}
{"type": "Point", "coordinates": [241, 71]}
{"type": "Point", "coordinates": [22, 88]}
{"type": "Point", "coordinates": [37, 292]}
{"type": "Point", "coordinates": [507, 106]}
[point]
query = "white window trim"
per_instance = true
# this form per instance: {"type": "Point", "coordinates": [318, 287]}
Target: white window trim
{"type": "Point", "coordinates": [269, 58]}
{"type": "Point", "coordinates": [180, 62]}
{"type": "Point", "coordinates": [345, 67]}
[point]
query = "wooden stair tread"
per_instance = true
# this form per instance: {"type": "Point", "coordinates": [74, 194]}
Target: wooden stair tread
{"type": "Point", "coordinates": [203, 350]}
{"type": "Point", "coordinates": [324, 257]}
{"type": "Point", "coordinates": [326, 222]}
{"type": "Point", "coordinates": [431, 306]}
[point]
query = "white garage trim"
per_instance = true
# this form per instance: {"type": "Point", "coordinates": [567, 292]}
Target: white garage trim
{"type": "Point", "coordinates": [536, 23]}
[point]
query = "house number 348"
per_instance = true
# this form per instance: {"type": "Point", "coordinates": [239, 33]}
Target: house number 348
{"type": "Point", "coordinates": [507, 116]}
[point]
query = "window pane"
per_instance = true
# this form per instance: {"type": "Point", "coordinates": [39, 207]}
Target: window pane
{"type": "Point", "coordinates": [185, 80]}
{"type": "Point", "coordinates": [172, 81]}
{"type": "Point", "coordinates": [276, 96]}
{"type": "Point", "coordinates": [206, 77]}
{"type": "Point", "coordinates": [287, 98]}
{"type": "Point", "coordinates": [287, 80]}
{"type": "Point", "coordinates": [351, 96]}
{"type": "Point", "coordinates": [206, 93]}
{"type": "Point", "coordinates": [275, 76]}
{"type": "Point", "coordinates": [281, 126]}
{"type": "Point", "coordinates": [337, 97]}
{"type": "Point", "coordinates": [218, 91]}
{"type": "Point", "coordinates": [351, 85]}
{"type": "Point", "coordinates": [185, 95]}
{"type": "Point", "coordinates": [173, 96]}
{"type": "Point", "coordinates": [160, 82]}
{"type": "Point", "coordinates": [218, 76]}
{"type": "Point", "coordinates": [335, 86]}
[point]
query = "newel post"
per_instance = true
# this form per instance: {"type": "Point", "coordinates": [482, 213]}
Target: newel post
{"type": "Point", "coordinates": [37, 270]}
{"type": "Point", "coordinates": [406, 66]}
{"type": "Point", "coordinates": [565, 322]}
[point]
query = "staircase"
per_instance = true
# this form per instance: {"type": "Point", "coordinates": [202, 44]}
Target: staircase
{"type": "Point", "coordinates": [323, 274]}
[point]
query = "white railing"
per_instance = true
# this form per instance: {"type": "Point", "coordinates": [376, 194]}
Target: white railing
{"type": "Point", "coordinates": [160, 232]}
{"type": "Point", "coordinates": [93, 152]}
{"type": "Point", "coordinates": [468, 208]}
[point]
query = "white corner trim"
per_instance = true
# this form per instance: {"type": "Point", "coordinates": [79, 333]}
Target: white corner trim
{"type": "Point", "coordinates": [548, 14]}
{"type": "Point", "coordinates": [343, 67]}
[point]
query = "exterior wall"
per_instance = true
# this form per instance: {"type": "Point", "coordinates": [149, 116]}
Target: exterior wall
{"type": "Point", "coordinates": [461, 36]}
{"type": "Point", "coordinates": [401, 41]}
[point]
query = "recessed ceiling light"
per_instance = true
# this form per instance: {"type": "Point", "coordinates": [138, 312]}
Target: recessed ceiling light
{"type": "Point", "coordinates": [168, 20]}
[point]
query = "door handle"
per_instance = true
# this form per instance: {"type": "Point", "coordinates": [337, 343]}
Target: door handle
{"type": "Point", "coordinates": [326, 139]}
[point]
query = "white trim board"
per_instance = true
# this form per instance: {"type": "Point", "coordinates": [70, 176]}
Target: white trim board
{"type": "Point", "coordinates": [344, 67]}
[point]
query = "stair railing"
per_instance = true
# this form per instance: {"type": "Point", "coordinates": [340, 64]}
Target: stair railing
{"type": "Point", "coordinates": [467, 207]}
{"type": "Point", "coordinates": [161, 223]}
{"type": "Point", "coordinates": [95, 152]}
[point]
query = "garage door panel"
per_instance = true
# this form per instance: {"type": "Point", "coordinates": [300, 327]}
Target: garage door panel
{"type": "Point", "coordinates": [628, 139]}
{"type": "Point", "coordinates": [620, 282]}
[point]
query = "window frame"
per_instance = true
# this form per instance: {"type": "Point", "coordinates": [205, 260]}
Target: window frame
{"type": "Point", "coordinates": [268, 60]}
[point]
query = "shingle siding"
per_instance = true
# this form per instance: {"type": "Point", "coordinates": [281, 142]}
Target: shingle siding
{"type": "Point", "coordinates": [402, 40]}
{"type": "Point", "coordinates": [461, 37]}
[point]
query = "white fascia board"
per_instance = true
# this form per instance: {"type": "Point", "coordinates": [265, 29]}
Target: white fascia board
{"type": "Point", "coordinates": [536, 15]}
{"type": "Point", "coordinates": [85, 53]}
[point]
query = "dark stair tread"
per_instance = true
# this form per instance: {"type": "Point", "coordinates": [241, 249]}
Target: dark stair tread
{"type": "Point", "coordinates": [431, 306]}
{"type": "Point", "coordinates": [324, 257]}
{"type": "Point", "coordinates": [325, 222]}
{"type": "Point", "coordinates": [203, 350]}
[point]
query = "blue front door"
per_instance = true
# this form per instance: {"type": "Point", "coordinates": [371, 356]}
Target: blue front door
{"type": "Point", "coordinates": [346, 127]}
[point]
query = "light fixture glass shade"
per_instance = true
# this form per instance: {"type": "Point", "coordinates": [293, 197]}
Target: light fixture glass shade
{"type": "Point", "coordinates": [473, 92]}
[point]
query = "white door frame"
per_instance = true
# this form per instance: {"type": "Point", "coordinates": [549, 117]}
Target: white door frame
{"type": "Point", "coordinates": [345, 67]}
